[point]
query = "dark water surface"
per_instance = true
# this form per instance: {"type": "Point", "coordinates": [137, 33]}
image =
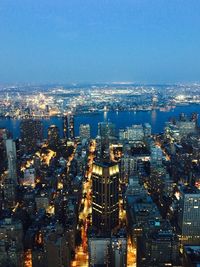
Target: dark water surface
{"type": "Point", "coordinates": [121, 119]}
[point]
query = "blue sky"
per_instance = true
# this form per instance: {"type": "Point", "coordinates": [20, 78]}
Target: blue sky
{"type": "Point", "coordinates": [99, 40]}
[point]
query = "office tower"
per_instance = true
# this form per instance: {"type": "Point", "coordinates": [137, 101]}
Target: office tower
{"type": "Point", "coordinates": [158, 246]}
{"type": "Point", "coordinates": [53, 136]}
{"type": "Point", "coordinates": [106, 135]}
{"type": "Point", "coordinates": [156, 156]}
{"type": "Point", "coordinates": [71, 127]}
{"type": "Point", "coordinates": [31, 133]}
{"type": "Point", "coordinates": [99, 251]}
{"type": "Point", "coordinates": [12, 158]}
{"type": "Point", "coordinates": [84, 132]}
{"type": "Point", "coordinates": [189, 214]}
{"type": "Point", "coordinates": [105, 202]}
{"type": "Point", "coordinates": [147, 130]}
{"type": "Point", "coordinates": [65, 127]}
{"type": "Point", "coordinates": [3, 136]}
{"type": "Point", "coordinates": [106, 130]}
{"type": "Point", "coordinates": [9, 193]}
{"type": "Point", "coordinates": [108, 251]}
{"type": "Point", "coordinates": [11, 245]}
{"type": "Point", "coordinates": [135, 133]}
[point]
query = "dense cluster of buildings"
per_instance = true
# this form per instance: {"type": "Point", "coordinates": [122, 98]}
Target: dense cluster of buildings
{"type": "Point", "coordinates": [22, 101]}
{"type": "Point", "coordinates": [127, 198]}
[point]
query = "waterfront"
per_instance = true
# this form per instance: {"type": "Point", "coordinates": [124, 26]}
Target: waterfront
{"type": "Point", "coordinates": [121, 119]}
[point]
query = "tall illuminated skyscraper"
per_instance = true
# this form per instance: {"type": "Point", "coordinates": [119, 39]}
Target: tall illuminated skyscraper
{"type": "Point", "coordinates": [65, 127]}
{"type": "Point", "coordinates": [71, 127]}
{"type": "Point", "coordinates": [105, 201]}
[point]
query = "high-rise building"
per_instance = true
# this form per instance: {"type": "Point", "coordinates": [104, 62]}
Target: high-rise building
{"type": "Point", "coordinates": [158, 246]}
{"type": "Point", "coordinates": [105, 202]}
{"type": "Point", "coordinates": [53, 136]}
{"type": "Point", "coordinates": [135, 133]}
{"type": "Point", "coordinates": [106, 130]}
{"type": "Point", "coordinates": [65, 127]}
{"type": "Point", "coordinates": [106, 135]}
{"type": "Point", "coordinates": [189, 214]}
{"type": "Point", "coordinates": [156, 156]}
{"type": "Point", "coordinates": [31, 133]}
{"type": "Point", "coordinates": [71, 127]}
{"type": "Point", "coordinates": [9, 193]}
{"type": "Point", "coordinates": [108, 250]}
{"type": "Point", "coordinates": [11, 244]}
{"type": "Point", "coordinates": [12, 158]}
{"type": "Point", "coordinates": [84, 132]}
{"type": "Point", "coordinates": [147, 130]}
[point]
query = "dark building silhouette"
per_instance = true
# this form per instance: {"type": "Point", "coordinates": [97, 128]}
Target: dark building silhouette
{"type": "Point", "coordinates": [105, 202]}
{"type": "Point", "coordinates": [31, 132]}
{"type": "Point", "coordinates": [158, 246]}
{"type": "Point", "coordinates": [53, 136]}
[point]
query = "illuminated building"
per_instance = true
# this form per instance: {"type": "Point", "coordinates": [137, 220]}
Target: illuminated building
{"type": "Point", "coordinates": [156, 156]}
{"type": "Point", "coordinates": [189, 214]}
{"type": "Point", "coordinates": [42, 201]}
{"type": "Point", "coordinates": [136, 132]}
{"type": "Point", "coordinates": [53, 136]}
{"type": "Point", "coordinates": [84, 132]}
{"type": "Point", "coordinates": [147, 130]}
{"type": "Point", "coordinates": [12, 157]}
{"type": "Point", "coordinates": [105, 201]}
{"type": "Point", "coordinates": [71, 127]}
{"type": "Point", "coordinates": [29, 177]}
{"type": "Point", "coordinates": [31, 132]}
{"type": "Point", "coordinates": [65, 127]}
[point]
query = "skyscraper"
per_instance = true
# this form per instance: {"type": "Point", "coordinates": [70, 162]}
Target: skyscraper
{"type": "Point", "coordinates": [189, 214]}
{"type": "Point", "coordinates": [105, 202]}
{"type": "Point", "coordinates": [71, 127]}
{"type": "Point", "coordinates": [158, 246]}
{"type": "Point", "coordinates": [65, 127]}
{"type": "Point", "coordinates": [31, 132]}
{"type": "Point", "coordinates": [106, 130]}
{"type": "Point", "coordinates": [53, 136]}
{"type": "Point", "coordinates": [12, 158]}
{"type": "Point", "coordinates": [108, 251]}
{"type": "Point", "coordinates": [106, 135]}
{"type": "Point", "coordinates": [84, 132]}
